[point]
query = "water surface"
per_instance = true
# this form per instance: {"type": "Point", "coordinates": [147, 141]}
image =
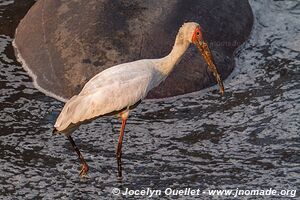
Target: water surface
{"type": "Point", "coordinates": [248, 139]}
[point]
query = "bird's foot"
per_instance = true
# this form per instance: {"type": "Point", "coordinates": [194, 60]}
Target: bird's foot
{"type": "Point", "coordinates": [84, 170]}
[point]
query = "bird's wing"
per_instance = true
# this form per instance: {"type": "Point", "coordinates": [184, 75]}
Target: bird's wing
{"type": "Point", "coordinates": [119, 73]}
{"type": "Point", "coordinates": [110, 90]}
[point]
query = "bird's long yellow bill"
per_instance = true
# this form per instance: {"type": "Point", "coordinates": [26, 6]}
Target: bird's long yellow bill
{"type": "Point", "coordinates": [204, 50]}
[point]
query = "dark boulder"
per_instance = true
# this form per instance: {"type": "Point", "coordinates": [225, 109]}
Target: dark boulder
{"type": "Point", "coordinates": [65, 43]}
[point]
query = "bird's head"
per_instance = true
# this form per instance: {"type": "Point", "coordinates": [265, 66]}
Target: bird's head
{"type": "Point", "coordinates": [192, 32]}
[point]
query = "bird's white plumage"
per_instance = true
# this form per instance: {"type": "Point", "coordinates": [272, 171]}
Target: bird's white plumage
{"type": "Point", "coordinates": [123, 85]}
{"type": "Point", "coordinates": [111, 90]}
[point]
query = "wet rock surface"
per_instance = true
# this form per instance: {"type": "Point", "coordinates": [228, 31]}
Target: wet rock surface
{"type": "Point", "coordinates": [65, 43]}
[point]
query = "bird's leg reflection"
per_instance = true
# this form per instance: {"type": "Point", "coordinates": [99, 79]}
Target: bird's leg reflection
{"type": "Point", "coordinates": [124, 116]}
{"type": "Point", "coordinates": [85, 167]}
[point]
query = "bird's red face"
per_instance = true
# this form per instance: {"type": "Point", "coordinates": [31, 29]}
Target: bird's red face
{"type": "Point", "coordinates": [197, 39]}
{"type": "Point", "coordinates": [197, 36]}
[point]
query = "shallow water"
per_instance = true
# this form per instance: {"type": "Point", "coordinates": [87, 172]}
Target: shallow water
{"type": "Point", "coordinates": [248, 139]}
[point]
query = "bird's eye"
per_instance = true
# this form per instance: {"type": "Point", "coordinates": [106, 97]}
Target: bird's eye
{"type": "Point", "coordinates": [198, 33]}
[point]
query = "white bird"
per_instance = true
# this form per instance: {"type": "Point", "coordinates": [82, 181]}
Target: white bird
{"type": "Point", "coordinates": [121, 87]}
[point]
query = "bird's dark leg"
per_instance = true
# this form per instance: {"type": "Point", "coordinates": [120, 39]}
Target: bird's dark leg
{"type": "Point", "coordinates": [85, 167]}
{"type": "Point", "coordinates": [124, 116]}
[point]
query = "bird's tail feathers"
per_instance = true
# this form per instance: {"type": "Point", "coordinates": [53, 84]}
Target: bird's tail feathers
{"type": "Point", "coordinates": [65, 117]}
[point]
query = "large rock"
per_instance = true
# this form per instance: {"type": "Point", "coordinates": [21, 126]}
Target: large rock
{"type": "Point", "coordinates": [64, 43]}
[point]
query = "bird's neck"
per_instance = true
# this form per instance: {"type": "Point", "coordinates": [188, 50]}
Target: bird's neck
{"type": "Point", "coordinates": [167, 63]}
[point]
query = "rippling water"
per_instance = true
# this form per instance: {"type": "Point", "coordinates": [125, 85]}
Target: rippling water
{"type": "Point", "coordinates": [248, 139]}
